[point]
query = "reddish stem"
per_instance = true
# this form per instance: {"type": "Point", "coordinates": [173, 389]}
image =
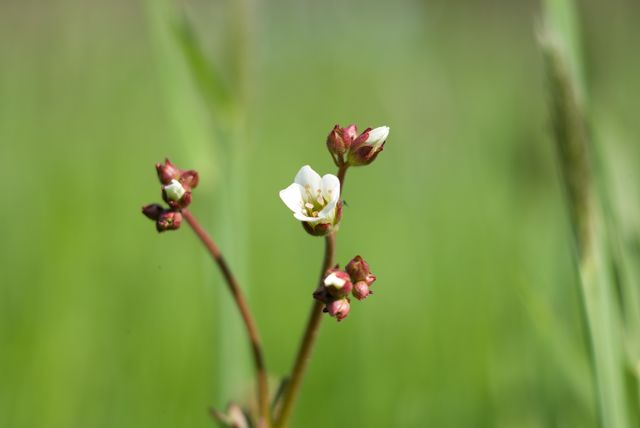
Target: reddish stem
{"type": "Point", "coordinates": [306, 346]}
{"type": "Point", "coordinates": [311, 331]}
{"type": "Point", "coordinates": [238, 297]}
{"type": "Point", "coordinates": [342, 172]}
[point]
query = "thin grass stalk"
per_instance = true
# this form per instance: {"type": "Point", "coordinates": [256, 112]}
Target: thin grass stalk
{"type": "Point", "coordinates": [601, 309]}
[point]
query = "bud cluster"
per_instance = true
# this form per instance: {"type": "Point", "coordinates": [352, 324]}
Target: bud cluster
{"type": "Point", "coordinates": [177, 185]}
{"type": "Point", "coordinates": [337, 285]}
{"type": "Point", "coordinates": [347, 148]}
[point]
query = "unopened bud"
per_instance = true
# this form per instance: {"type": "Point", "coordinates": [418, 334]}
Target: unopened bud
{"type": "Point", "coordinates": [174, 190]}
{"type": "Point", "coordinates": [358, 269]}
{"type": "Point", "coordinates": [189, 178]}
{"type": "Point", "coordinates": [378, 136]}
{"type": "Point", "coordinates": [367, 146]}
{"type": "Point", "coordinates": [339, 309]}
{"type": "Point", "coordinates": [361, 290]}
{"type": "Point", "coordinates": [322, 295]}
{"type": "Point", "coordinates": [167, 172]}
{"type": "Point", "coordinates": [338, 284]}
{"type": "Point", "coordinates": [176, 195]}
{"type": "Point", "coordinates": [338, 142]}
{"type": "Point", "coordinates": [152, 211]}
{"type": "Point", "coordinates": [169, 220]}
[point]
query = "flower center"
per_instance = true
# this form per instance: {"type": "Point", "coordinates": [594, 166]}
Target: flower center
{"type": "Point", "coordinates": [312, 202]}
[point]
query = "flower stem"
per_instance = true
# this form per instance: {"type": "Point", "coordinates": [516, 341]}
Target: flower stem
{"type": "Point", "coordinates": [238, 297]}
{"type": "Point", "coordinates": [313, 326]}
{"type": "Point", "coordinates": [342, 172]}
{"type": "Point", "coordinates": [306, 346]}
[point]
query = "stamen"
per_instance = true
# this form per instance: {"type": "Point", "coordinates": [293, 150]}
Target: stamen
{"type": "Point", "coordinates": [308, 205]}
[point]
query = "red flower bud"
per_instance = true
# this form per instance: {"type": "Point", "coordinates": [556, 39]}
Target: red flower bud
{"type": "Point", "coordinates": [359, 270]}
{"type": "Point", "coordinates": [169, 220]}
{"type": "Point", "coordinates": [176, 195]}
{"type": "Point", "coordinates": [339, 309]}
{"type": "Point", "coordinates": [338, 142]}
{"type": "Point", "coordinates": [176, 184]}
{"type": "Point", "coordinates": [361, 290]}
{"type": "Point", "coordinates": [189, 179]}
{"type": "Point", "coordinates": [350, 133]}
{"type": "Point", "coordinates": [321, 295]}
{"type": "Point", "coordinates": [337, 283]}
{"type": "Point", "coordinates": [167, 172]}
{"type": "Point", "coordinates": [367, 146]}
{"type": "Point", "coordinates": [152, 211]}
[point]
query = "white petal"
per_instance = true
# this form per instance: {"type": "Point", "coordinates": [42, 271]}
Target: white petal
{"type": "Point", "coordinates": [308, 177]}
{"type": "Point", "coordinates": [328, 213]}
{"type": "Point", "coordinates": [334, 280]}
{"type": "Point", "coordinates": [378, 135]}
{"type": "Point", "coordinates": [330, 187]}
{"type": "Point", "coordinates": [292, 197]}
{"type": "Point", "coordinates": [302, 217]}
{"type": "Point", "coordinates": [174, 190]}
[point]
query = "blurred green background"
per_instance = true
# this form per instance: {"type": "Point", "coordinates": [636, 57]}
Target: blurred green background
{"type": "Point", "coordinates": [476, 320]}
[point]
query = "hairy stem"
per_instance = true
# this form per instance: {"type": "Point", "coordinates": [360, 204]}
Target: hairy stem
{"type": "Point", "coordinates": [241, 303]}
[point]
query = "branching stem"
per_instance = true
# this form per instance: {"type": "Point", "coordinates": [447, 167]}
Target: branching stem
{"type": "Point", "coordinates": [241, 303]}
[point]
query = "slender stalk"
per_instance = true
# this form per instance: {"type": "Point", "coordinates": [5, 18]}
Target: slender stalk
{"type": "Point", "coordinates": [342, 173]}
{"type": "Point", "coordinates": [311, 331]}
{"type": "Point", "coordinates": [306, 346]}
{"type": "Point", "coordinates": [250, 325]}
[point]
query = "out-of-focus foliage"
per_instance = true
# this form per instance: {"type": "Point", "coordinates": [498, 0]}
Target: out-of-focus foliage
{"type": "Point", "coordinates": [476, 318]}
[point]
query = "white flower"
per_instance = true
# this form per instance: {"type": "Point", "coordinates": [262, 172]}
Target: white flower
{"type": "Point", "coordinates": [312, 198]}
{"type": "Point", "coordinates": [174, 190]}
{"type": "Point", "coordinates": [333, 280]}
{"type": "Point", "coordinates": [378, 136]}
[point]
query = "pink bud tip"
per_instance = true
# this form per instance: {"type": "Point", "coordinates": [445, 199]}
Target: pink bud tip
{"type": "Point", "coordinates": [167, 172]}
{"type": "Point", "coordinates": [339, 309]}
{"type": "Point", "coordinates": [359, 270]}
{"type": "Point", "coordinates": [361, 290]}
{"type": "Point", "coordinates": [189, 178]}
{"type": "Point", "coordinates": [338, 142]}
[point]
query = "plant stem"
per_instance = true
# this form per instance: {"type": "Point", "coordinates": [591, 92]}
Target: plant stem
{"type": "Point", "coordinates": [342, 172]}
{"type": "Point", "coordinates": [250, 325]}
{"type": "Point", "coordinates": [311, 332]}
{"type": "Point", "coordinates": [308, 340]}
